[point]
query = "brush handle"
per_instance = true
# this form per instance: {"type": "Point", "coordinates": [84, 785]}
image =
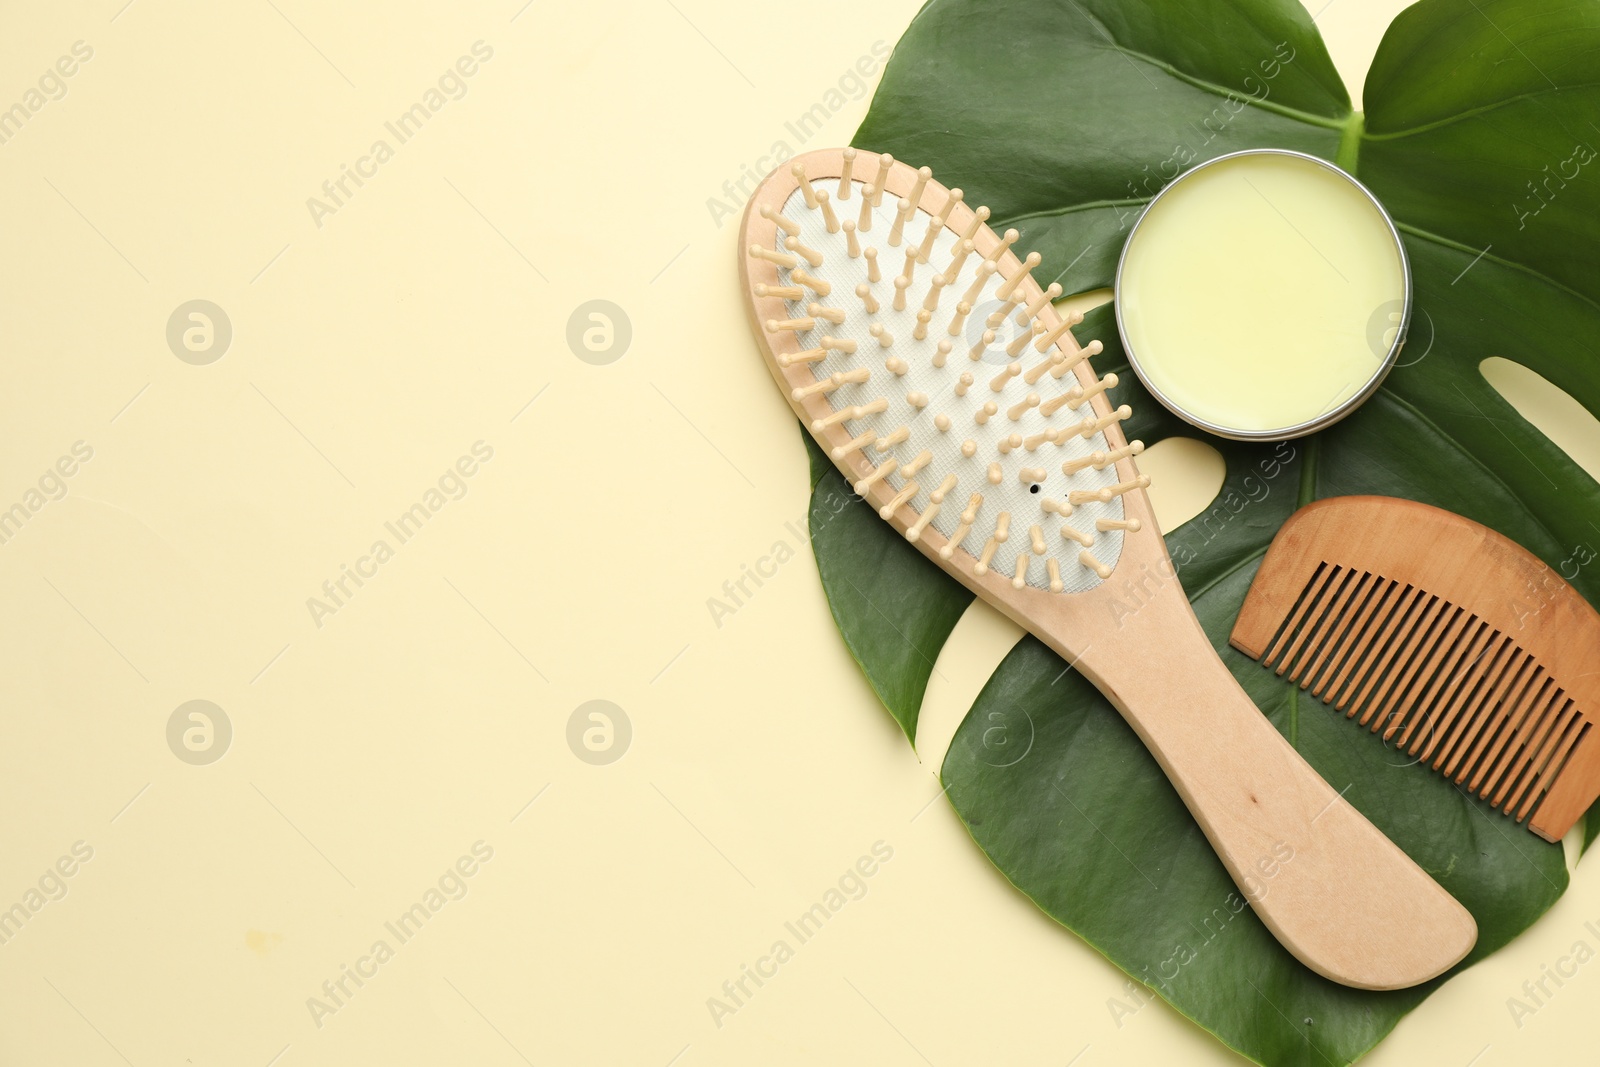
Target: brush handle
{"type": "Point", "coordinates": [1339, 895]}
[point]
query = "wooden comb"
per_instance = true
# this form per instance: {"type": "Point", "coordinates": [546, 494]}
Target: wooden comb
{"type": "Point", "coordinates": [1458, 644]}
{"type": "Point", "coordinates": [930, 365]}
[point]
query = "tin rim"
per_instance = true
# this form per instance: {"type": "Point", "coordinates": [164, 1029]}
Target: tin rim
{"type": "Point", "coordinates": [1332, 415]}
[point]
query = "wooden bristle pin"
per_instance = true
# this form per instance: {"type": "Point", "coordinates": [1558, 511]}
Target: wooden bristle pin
{"type": "Point", "coordinates": [1022, 407]}
{"type": "Point", "coordinates": [979, 217]}
{"type": "Point", "coordinates": [1009, 444]}
{"type": "Point", "coordinates": [885, 338]}
{"type": "Point", "coordinates": [920, 332]}
{"type": "Point", "coordinates": [1132, 448]}
{"type": "Point", "coordinates": [829, 219]}
{"type": "Point", "coordinates": [1100, 460]}
{"type": "Point", "coordinates": [897, 366]}
{"type": "Point", "coordinates": [858, 411]}
{"type": "Point", "coordinates": [810, 255]}
{"type": "Point", "coordinates": [924, 175]}
{"type": "Point", "coordinates": [901, 284]}
{"type": "Point", "coordinates": [838, 344]}
{"type": "Point", "coordinates": [849, 155]}
{"type": "Point", "coordinates": [969, 448]}
{"type": "Point", "coordinates": [909, 271]}
{"type": "Point", "coordinates": [997, 317]}
{"type": "Point", "coordinates": [936, 225]}
{"type": "Point", "coordinates": [852, 244]}
{"type": "Point", "coordinates": [864, 217]}
{"type": "Point", "coordinates": [1002, 526]}
{"type": "Point", "coordinates": [929, 236]}
{"type": "Point", "coordinates": [999, 250]}
{"type": "Point", "coordinates": [959, 321]}
{"type": "Point", "coordinates": [963, 384]}
{"type": "Point", "coordinates": [1020, 342]}
{"type": "Point", "coordinates": [1057, 402]}
{"type": "Point", "coordinates": [1053, 506]}
{"type": "Point", "coordinates": [1031, 475]}
{"type": "Point", "coordinates": [784, 223]}
{"type": "Point", "coordinates": [986, 556]}
{"type": "Point", "coordinates": [968, 516]}
{"type": "Point", "coordinates": [782, 292]}
{"type": "Point", "coordinates": [1082, 394]}
{"type": "Point", "coordinates": [1033, 441]}
{"type": "Point", "coordinates": [1035, 372]}
{"type": "Point", "coordinates": [833, 315]}
{"type": "Point", "coordinates": [995, 474]}
{"type": "Point", "coordinates": [1011, 284]}
{"type": "Point", "coordinates": [959, 259]}
{"type": "Point", "coordinates": [1027, 314]}
{"type": "Point", "coordinates": [1108, 494]}
{"type": "Point", "coordinates": [883, 444]}
{"type": "Point", "coordinates": [1091, 427]}
{"type": "Point", "coordinates": [816, 285]}
{"type": "Point", "coordinates": [941, 353]}
{"type": "Point", "coordinates": [897, 230]}
{"type": "Point", "coordinates": [914, 531]}
{"type": "Point", "coordinates": [985, 413]}
{"type": "Point", "coordinates": [799, 172]}
{"type": "Point", "coordinates": [879, 473]}
{"type": "Point", "coordinates": [943, 489]}
{"type": "Point", "coordinates": [1107, 525]}
{"type": "Point", "coordinates": [873, 275]}
{"type": "Point", "coordinates": [1008, 372]}
{"type": "Point", "coordinates": [1141, 482]}
{"type": "Point", "coordinates": [810, 355]}
{"type": "Point", "coordinates": [794, 325]}
{"type": "Point", "coordinates": [1067, 323]}
{"type": "Point", "coordinates": [912, 469]}
{"type": "Point", "coordinates": [941, 422]}
{"type": "Point", "coordinates": [780, 258]}
{"type": "Point", "coordinates": [1053, 569]}
{"type": "Point", "coordinates": [832, 382]}
{"type": "Point", "coordinates": [856, 443]}
{"type": "Point", "coordinates": [1072, 533]}
{"type": "Point", "coordinates": [976, 288]}
{"type": "Point", "coordinates": [935, 287]}
{"type": "Point", "coordinates": [1088, 351]}
{"type": "Point", "coordinates": [880, 181]}
{"type": "Point", "coordinates": [868, 301]}
{"type": "Point", "coordinates": [1020, 578]}
{"type": "Point", "coordinates": [917, 400]}
{"type": "Point", "coordinates": [1088, 560]}
{"type": "Point", "coordinates": [905, 494]}
{"type": "Point", "coordinates": [975, 353]}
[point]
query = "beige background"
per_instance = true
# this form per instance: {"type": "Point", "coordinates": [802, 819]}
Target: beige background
{"type": "Point", "coordinates": [426, 314]}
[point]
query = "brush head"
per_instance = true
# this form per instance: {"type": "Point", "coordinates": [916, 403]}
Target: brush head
{"type": "Point", "coordinates": [1454, 644]}
{"type": "Point", "coordinates": [931, 367]}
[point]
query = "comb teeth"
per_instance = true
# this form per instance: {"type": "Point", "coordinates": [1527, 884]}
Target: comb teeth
{"type": "Point", "coordinates": [1441, 684]}
{"type": "Point", "coordinates": [916, 279]}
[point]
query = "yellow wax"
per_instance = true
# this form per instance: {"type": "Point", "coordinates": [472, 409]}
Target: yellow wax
{"type": "Point", "coordinates": [1261, 292]}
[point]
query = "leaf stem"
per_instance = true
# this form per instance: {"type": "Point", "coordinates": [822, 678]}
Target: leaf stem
{"type": "Point", "coordinates": [1352, 130]}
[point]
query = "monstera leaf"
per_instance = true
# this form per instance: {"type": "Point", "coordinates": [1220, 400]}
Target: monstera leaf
{"type": "Point", "coordinates": [1066, 117]}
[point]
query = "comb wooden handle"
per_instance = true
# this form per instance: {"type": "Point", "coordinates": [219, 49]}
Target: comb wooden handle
{"type": "Point", "coordinates": [1339, 895]}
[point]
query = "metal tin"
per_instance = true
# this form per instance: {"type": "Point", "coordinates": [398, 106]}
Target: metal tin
{"type": "Point", "coordinates": [1329, 417]}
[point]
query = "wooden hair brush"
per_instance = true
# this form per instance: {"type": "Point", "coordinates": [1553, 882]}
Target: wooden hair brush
{"type": "Point", "coordinates": [1461, 646]}
{"type": "Point", "coordinates": [933, 369]}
